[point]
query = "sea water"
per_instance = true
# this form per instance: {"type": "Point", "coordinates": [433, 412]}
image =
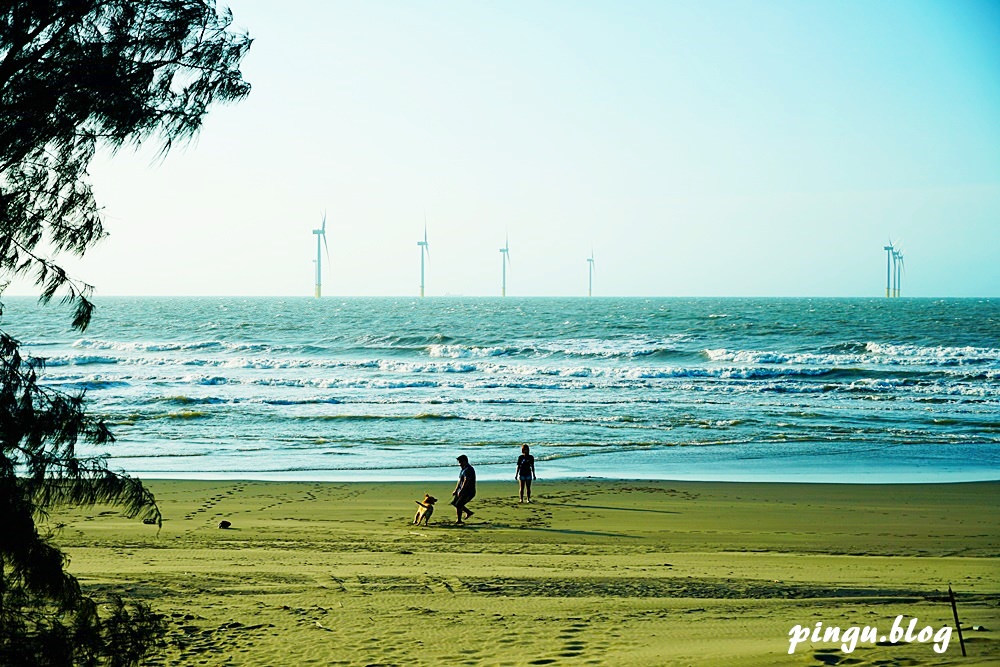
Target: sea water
{"type": "Point", "coordinates": [842, 390]}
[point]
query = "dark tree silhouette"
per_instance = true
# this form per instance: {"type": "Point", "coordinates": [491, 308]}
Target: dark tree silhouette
{"type": "Point", "coordinates": [76, 75]}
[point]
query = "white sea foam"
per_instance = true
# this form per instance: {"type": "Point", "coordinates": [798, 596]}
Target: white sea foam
{"type": "Point", "coordinates": [609, 348]}
{"type": "Point", "coordinates": [936, 354]}
{"type": "Point", "coordinates": [205, 379]}
{"type": "Point", "coordinates": [80, 360]}
{"type": "Point", "coordinates": [465, 352]}
{"type": "Point", "coordinates": [418, 367]}
{"type": "Point", "coordinates": [876, 354]}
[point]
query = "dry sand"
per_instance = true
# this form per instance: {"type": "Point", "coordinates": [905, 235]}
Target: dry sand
{"type": "Point", "coordinates": [592, 573]}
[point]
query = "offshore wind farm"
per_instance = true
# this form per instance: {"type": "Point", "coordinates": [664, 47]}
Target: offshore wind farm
{"type": "Point", "coordinates": [894, 267]}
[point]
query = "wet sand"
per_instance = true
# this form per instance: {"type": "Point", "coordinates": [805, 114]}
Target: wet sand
{"type": "Point", "coordinates": [592, 573]}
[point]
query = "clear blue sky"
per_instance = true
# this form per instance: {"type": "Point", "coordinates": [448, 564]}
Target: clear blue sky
{"type": "Point", "coordinates": [701, 148]}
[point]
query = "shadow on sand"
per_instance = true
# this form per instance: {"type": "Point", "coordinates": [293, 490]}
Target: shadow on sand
{"type": "Point", "coordinates": [506, 526]}
{"type": "Point", "coordinates": [607, 507]}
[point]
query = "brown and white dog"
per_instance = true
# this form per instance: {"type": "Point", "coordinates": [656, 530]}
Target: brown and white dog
{"type": "Point", "coordinates": [425, 510]}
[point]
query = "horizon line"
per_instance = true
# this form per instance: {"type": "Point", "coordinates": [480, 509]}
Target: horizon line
{"type": "Point", "coordinates": [58, 301]}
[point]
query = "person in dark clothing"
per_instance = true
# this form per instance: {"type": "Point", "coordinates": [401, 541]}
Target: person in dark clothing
{"type": "Point", "coordinates": [465, 490]}
{"type": "Point", "coordinates": [525, 473]}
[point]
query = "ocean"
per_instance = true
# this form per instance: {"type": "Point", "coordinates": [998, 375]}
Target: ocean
{"type": "Point", "coordinates": [769, 389]}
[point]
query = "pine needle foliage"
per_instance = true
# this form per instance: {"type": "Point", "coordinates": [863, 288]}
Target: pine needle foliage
{"type": "Point", "coordinates": [77, 76]}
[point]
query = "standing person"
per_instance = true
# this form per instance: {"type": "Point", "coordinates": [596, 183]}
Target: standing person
{"type": "Point", "coordinates": [465, 490]}
{"type": "Point", "coordinates": [525, 472]}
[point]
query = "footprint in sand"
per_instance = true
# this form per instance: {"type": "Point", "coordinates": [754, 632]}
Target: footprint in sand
{"type": "Point", "coordinates": [572, 649]}
{"type": "Point", "coordinates": [212, 501]}
{"type": "Point", "coordinates": [572, 645]}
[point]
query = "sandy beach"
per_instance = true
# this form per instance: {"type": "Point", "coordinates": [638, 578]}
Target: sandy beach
{"type": "Point", "coordinates": [591, 573]}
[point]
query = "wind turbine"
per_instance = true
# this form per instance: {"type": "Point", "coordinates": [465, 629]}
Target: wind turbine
{"type": "Point", "coordinates": [898, 255]}
{"type": "Point", "coordinates": [504, 261]}
{"type": "Point", "coordinates": [424, 250]}
{"type": "Point", "coordinates": [590, 274]}
{"type": "Point", "coordinates": [889, 256]}
{"type": "Point", "coordinates": [320, 233]}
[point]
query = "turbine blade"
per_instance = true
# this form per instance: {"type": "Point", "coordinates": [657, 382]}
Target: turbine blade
{"type": "Point", "coordinates": [323, 227]}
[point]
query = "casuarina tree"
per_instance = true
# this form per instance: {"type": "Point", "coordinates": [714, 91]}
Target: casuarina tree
{"type": "Point", "coordinates": [77, 76]}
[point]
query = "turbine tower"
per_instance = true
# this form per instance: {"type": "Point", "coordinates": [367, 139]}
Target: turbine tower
{"type": "Point", "coordinates": [504, 261]}
{"type": "Point", "coordinates": [424, 250]}
{"type": "Point", "coordinates": [590, 274]}
{"type": "Point", "coordinates": [320, 233]}
{"type": "Point", "coordinates": [889, 255]}
{"type": "Point", "coordinates": [898, 255]}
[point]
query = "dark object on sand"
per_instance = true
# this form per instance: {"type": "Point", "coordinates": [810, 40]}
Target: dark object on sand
{"type": "Point", "coordinates": [958, 626]}
{"type": "Point", "coordinates": [149, 522]}
{"type": "Point", "coordinates": [224, 524]}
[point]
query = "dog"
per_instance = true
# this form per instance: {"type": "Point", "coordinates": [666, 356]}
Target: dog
{"type": "Point", "coordinates": [425, 510]}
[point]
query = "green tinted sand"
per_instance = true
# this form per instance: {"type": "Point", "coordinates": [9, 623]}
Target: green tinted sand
{"type": "Point", "coordinates": [592, 573]}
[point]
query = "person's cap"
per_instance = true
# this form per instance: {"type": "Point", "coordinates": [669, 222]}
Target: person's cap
{"type": "Point", "coordinates": [463, 457]}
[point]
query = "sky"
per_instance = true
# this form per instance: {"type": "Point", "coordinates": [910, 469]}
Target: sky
{"type": "Point", "coordinates": [714, 148]}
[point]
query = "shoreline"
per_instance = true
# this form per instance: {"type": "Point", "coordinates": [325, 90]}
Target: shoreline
{"type": "Point", "coordinates": [362, 478]}
{"type": "Point", "coordinates": [626, 572]}
{"type": "Point", "coordinates": [239, 477]}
